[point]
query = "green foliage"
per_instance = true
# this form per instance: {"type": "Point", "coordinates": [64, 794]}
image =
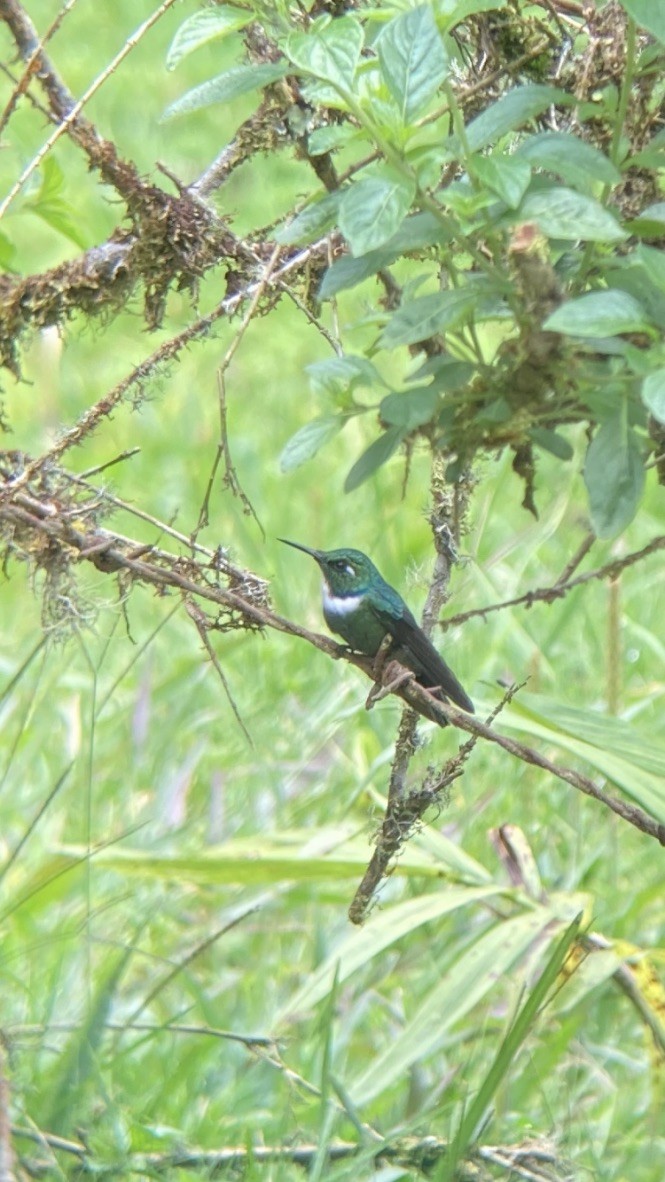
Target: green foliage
{"type": "Point", "coordinates": [177, 969]}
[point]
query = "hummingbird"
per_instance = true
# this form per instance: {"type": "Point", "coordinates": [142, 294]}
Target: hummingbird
{"type": "Point", "coordinates": [364, 610]}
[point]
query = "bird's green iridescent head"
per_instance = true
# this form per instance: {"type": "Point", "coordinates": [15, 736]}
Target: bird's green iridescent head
{"type": "Point", "coordinates": [347, 572]}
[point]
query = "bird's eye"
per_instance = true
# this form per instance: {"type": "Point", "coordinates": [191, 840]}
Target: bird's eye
{"type": "Point", "coordinates": [342, 565]}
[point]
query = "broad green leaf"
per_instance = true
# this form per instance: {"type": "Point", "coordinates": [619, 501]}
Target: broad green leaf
{"type": "Point", "coordinates": [573, 159]}
{"type": "Point", "coordinates": [552, 442]}
{"type": "Point", "coordinates": [463, 984]}
{"type": "Point", "coordinates": [627, 757]}
{"type": "Point", "coordinates": [349, 271]}
{"type": "Point", "coordinates": [614, 475]}
{"type": "Point", "coordinates": [653, 394]}
{"type": "Point", "coordinates": [650, 223]}
{"type": "Point", "coordinates": [563, 213]}
{"type": "Point", "coordinates": [329, 51]}
{"type": "Point", "coordinates": [381, 931]}
{"type": "Point", "coordinates": [377, 453]}
{"type": "Point", "coordinates": [327, 139]}
{"type": "Point", "coordinates": [412, 59]}
{"type": "Point", "coordinates": [312, 222]}
{"type": "Point", "coordinates": [507, 176]}
{"type": "Point", "coordinates": [410, 409]}
{"type": "Point", "coordinates": [650, 14]}
{"type": "Point", "coordinates": [415, 232]}
{"type": "Point", "coordinates": [372, 209]}
{"type": "Point", "coordinates": [202, 27]}
{"type": "Point", "coordinates": [337, 375]}
{"type": "Point", "coordinates": [428, 315]}
{"type": "Point", "coordinates": [229, 85]}
{"type": "Point", "coordinates": [653, 262]}
{"type": "Point", "coordinates": [448, 372]}
{"type": "Point", "coordinates": [511, 111]}
{"type": "Point", "coordinates": [597, 314]}
{"type": "Point", "coordinates": [454, 12]}
{"type": "Point", "coordinates": [308, 440]}
{"type": "Point", "coordinates": [50, 203]}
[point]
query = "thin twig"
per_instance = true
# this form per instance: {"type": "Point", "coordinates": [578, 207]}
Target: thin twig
{"type": "Point", "coordinates": [559, 589]}
{"type": "Point", "coordinates": [223, 448]}
{"type": "Point", "coordinates": [9, 10]}
{"type": "Point", "coordinates": [201, 624]}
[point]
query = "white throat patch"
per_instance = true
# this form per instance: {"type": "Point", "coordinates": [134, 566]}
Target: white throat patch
{"type": "Point", "coordinates": [339, 605]}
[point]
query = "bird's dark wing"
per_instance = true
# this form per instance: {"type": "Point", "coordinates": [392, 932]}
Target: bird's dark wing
{"type": "Point", "coordinates": [419, 653]}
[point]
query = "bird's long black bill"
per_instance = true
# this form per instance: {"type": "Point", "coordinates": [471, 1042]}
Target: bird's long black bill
{"type": "Point", "coordinates": [315, 554]}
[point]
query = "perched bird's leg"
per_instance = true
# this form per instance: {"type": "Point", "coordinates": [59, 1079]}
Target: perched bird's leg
{"type": "Point", "coordinates": [378, 692]}
{"type": "Point", "coordinates": [381, 657]}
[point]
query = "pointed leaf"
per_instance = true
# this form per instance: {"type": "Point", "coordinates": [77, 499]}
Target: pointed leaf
{"type": "Point", "coordinates": [427, 315]}
{"type": "Point", "coordinates": [371, 210]}
{"type": "Point", "coordinates": [382, 930]}
{"type": "Point", "coordinates": [511, 111]}
{"type": "Point", "coordinates": [377, 453]}
{"type": "Point", "coordinates": [202, 27]}
{"type": "Point", "coordinates": [328, 51]}
{"type": "Point", "coordinates": [311, 223]}
{"type": "Point", "coordinates": [308, 440]}
{"type": "Point", "coordinates": [229, 85]}
{"type": "Point", "coordinates": [563, 213]}
{"type": "Point", "coordinates": [653, 394]}
{"type": "Point", "coordinates": [600, 313]}
{"type": "Point", "coordinates": [463, 984]}
{"type": "Point", "coordinates": [650, 14]}
{"type": "Point", "coordinates": [573, 159]}
{"type": "Point", "coordinates": [614, 475]}
{"type": "Point", "coordinates": [412, 59]}
{"type": "Point", "coordinates": [507, 176]}
{"type": "Point", "coordinates": [410, 409]}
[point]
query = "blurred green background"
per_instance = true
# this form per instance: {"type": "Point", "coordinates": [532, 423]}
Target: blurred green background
{"type": "Point", "coordinates": [94, 948]}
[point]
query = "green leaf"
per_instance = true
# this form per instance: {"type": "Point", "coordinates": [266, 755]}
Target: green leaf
{"type": "Point", "coordinates": [614, 475]}
{"type": "Point", "coordinates": [372, 209]}
{"type": "Point", "coordinates": [552, 442]}
{"type": "Point", "coordinates": [563, 213]}
{"type": "Point", "coordinates": [51, 205]}
{"type": "Point", "coordinates": [309, 440]}
{"type": "Point", "coordinates": [327, 139]}
{"type": "Point", "coordinates": [626, 756]}
{"type": "Point", "coordinates": [409, 409]}
{"type": "Point", "coordinates": [650, 223]}
{"type": "Point", "coordinates": [202, 27]}
{"type": "Point", "coordinates": [573, 159]}
{"type": "Point", "coordinates": [653, 394]}
{"type": "Point", "coordinates": [507, 1051]}
{"type": "Point", "coordinates": [653, 262]}
{"type": "Point", "coordinates": [506, 176]}
{"type": "Point", "coordinates": [415, 232]}
{"type": "Point", "coordinates": [337, 375]}
{"type": "Point", "coordinates": [650, 14]}
{"type": "Point", "coordinates": [383, 929]}
{"type": "Point", "coordinates": [377, 453]}
{"type": "Point", "coordinates": [225, 87]}
{"type": "Point", "coordinates": [598, 314]}
{"type": "Point", "coordinates": [412, 59]}
{"type": "Point", "coordinates": [463, 984]}
{"type": "Point", "coordinates": [454, 12]}
{"type": "Point", "coordinates": [427, 315]}
{"type": "Point", "coordinates": [7, 252]}
{"type": "Point", "coordinates": [312, 222]}
{"type": "Point", "coordinates": [330, 51]}
{"type": "Point", "coordinates": [511, 111]}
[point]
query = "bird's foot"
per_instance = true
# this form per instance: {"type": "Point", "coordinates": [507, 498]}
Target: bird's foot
{"type": "Point", "coordinates": [378, 692]}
